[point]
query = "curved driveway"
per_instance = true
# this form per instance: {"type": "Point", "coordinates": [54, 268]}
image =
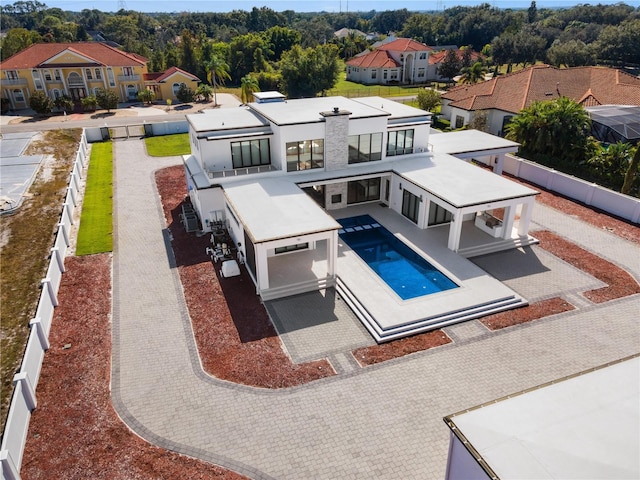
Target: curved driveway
{"type": "Point", "coordinates": [381, 422]}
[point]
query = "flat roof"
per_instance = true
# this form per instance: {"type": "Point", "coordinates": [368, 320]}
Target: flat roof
{"type": "Point", "coordinates": [467, 141]}
{"type": "Point", "coordinates": [274, 208]}
{"type": "Point", "coordinates": [586, 426]}
{"type": "Point", "coordinates": [396, 110]}
{"type": "Point", "coordinates": [459, 183]}
{"type": "Point", "coordinates": [307, 110]}
{"type": "Point", "coordinates": [222, 119]}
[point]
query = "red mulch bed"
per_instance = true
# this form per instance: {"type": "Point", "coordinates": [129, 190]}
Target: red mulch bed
{"type": "Point", "coordinates": [398, 348]}
{"type": "Point", "coordinates": [75, 433]}
{"type": "Point", "coordinates": [619, 282]}
{"type": "Point", "coordinates": [236, 340]}
{"type": "Point", "coordinates": [533, 311]}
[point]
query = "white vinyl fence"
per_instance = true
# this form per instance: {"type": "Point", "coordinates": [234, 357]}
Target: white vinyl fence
{"type": "Point", "coordinates": [622, 206]}
{"type": "Point", "coordinates": [25, 381]}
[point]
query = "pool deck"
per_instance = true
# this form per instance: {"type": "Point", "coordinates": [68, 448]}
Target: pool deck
{"type": "Point", "coordinates": [391, 317]}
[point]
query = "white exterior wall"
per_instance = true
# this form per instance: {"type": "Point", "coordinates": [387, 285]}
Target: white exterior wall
{"type": "Point", "coordinates": [460, 464]}
{"type": "Point", "coordinates": [293, 133]}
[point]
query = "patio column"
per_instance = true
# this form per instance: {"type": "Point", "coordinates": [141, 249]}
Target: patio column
{"type": "Point", "coordinates": [455, 230]}
{"type": "Point", "coordinates": [332, 253]}
{"type": "Point", "coordinates": [507, 221]}
{"type": "Point", "coordinates": [525, 216]}
{"type": "Point", "coordinates": [499, 165]}
{"type": "Point", "coordinates": [262, 267]}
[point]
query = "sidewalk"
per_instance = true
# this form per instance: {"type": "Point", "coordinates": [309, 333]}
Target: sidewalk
{"type": "Point", "coordinates": [382, 422]}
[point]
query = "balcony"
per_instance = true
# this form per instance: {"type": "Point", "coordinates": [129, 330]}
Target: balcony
{"type": "Point", "coordinates": [128, 78]}
{"type": "Point", "coordinates": [14, 81]}
{"type": "Point", "coordinates": [240, 171]}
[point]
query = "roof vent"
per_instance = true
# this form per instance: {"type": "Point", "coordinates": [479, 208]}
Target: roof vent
{"type": "Point", "coordinates": [336, 110]}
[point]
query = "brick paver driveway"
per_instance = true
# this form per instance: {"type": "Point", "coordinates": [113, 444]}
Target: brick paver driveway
{"type": "Point", "coordinates": [379, 422]}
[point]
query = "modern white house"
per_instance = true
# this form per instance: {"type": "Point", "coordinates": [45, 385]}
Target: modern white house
{"type": "Point", "coordinates": [282, 176]}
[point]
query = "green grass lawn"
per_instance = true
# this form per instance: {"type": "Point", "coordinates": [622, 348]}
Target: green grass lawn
{"type": "Point", "coordinates": [168, 145]}
{"type": "Point", "coordinates": [96, 222]}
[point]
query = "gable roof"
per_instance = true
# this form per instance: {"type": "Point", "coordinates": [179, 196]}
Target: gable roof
{"type": "Point", "coordinates": [405, 45]}
{"type": "Point", "coordinates": [40, 54]}
{"type": "Point", "coordinates": [588, 86]}
{"type": "Point", "coordinates": [164, 76]}
{"type": "Point", "coordinates": [375, 59]}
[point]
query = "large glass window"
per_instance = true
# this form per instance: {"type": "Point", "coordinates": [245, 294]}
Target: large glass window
{"type": "Point", "coordinates": [410, 206]}
{"type": "Point", "coordinates": [305, 155]}
{"type": "Point", "coordinates": [365, 148]}
{"type": "Point", "coordinates": [438, 215]}
{"type": "Point", "coordinates": [400, 142]}
{"type": "Point", "coordinates": [366, 190]}
{"type": "Point", "coordinates": [250, 153]}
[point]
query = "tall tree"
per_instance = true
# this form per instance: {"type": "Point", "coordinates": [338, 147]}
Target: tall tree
{"type": "Point", "coordinates": [307, 72]}
{"type": "Point", "coordinates": [633, 173]}
{"type": "Point", "coordinates": [556, 128]}
{"type": "Point", "coordinates": [17, 39]}
{"type": "Point", "coordinates": [249, 85]}
{"type": "Point", "coordinates": [451, 65]}
{"type": "Point", "coordinates": [217, 71]}
{"type": "Point", "coordinates": [474, 74]}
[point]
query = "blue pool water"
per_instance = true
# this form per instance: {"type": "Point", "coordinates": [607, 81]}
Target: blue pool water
{"type": "Point", "coordinates": [406, 272]}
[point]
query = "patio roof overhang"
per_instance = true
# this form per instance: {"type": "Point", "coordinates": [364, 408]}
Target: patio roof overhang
{"type": "Point", "coordinates": [458, 183]}
{"type": "Point", "coordinates": [471, 143]}
{"type": "Point", "coordinates": [275, 208]}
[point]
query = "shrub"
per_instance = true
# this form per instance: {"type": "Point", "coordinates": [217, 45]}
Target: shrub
{"type": "Point", "coordinates": [146, 96]}
{"type": "Point", "coordinates": [185, 94]}
{"type": "Point", "coordinates": [89, 103]}
{"type": "Point", "coordinates": [204, 92]}
{"type": "Point", "coordinates": [107, 99]}
{"type": "Point", "coordinates": [64, 103]}
{"type": "Point", "coordinates": [40, 103]}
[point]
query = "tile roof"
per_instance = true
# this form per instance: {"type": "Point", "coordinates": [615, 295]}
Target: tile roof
{"type": "Point", "coordinates": [375, 59]}
{"type": "Point", "coordinates": [405, 45]}
{"type": "Point", "coordinates": [437, 57]}
{"type": "Point", "coordinates": [173, 70]}
{"type": "Point", "coordinates": [511, 93]}
{"type": "Point", "coordinates": [38, 54]}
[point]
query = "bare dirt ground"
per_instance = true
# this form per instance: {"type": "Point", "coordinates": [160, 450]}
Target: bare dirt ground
{"type": "Point", "coordinates": [75, 432]}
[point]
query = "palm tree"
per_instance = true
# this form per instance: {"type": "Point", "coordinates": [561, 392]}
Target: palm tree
{"type": "Point", "coordinates": [217, 70]}
{"type": "Point", "coordinates": [474, 74]}
{"type": "Point", "coordinates": [249, 86]}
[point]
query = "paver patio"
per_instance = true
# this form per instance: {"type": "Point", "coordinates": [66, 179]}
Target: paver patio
{"type": "Point", "coordinates": [383, 421]}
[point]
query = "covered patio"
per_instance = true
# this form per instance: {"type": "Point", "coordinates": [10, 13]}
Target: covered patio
{"type": "Point", "coordinates": [288, 241]}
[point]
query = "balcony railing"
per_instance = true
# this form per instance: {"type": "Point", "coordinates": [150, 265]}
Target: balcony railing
{"type": "Point", "coordinates": [240, 171]}
{"type": "Point", "coordinates": [14, 81]}
{"type": "Point", "coordinates": [128, 78]}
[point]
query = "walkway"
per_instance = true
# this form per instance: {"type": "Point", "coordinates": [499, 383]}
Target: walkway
{"type": "Point", "coordinates": [381, 422]}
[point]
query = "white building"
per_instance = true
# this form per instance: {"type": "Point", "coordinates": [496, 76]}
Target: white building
{"type": "Point", "coordinates": [279, 173]}
{"type": "Point", "coordinates": [585, 426]}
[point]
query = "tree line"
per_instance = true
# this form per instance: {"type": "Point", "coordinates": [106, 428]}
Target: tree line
{"type": "Point", "coordinates": [255, 41]}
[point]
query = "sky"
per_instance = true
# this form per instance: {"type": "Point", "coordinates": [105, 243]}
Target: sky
{"type": "Point", "coordinates": [301, 5]}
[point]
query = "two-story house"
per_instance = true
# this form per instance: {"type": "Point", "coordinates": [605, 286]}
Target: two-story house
{"type": "Point", "coordinates": [288, 179]}
{"type": "Point", "coordinates": [73, 69]}
{"type": "Point", "coordinates": [402, 61]}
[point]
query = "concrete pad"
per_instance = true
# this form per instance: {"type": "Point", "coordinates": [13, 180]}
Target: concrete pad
{"type": "Point", "coordinates": [316, 325]}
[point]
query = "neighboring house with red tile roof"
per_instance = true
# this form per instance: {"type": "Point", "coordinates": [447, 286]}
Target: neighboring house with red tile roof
{"type": "Point", "coordinates": [503, 97]}
{"type": "Point", "coordinates": [75, 69]}
{"type": "Point", "coordinates": [166, 84]}
{"type": "Point", "coordinates": [436, 59]}
{"type": "Point", "coordinates": [402, 61]}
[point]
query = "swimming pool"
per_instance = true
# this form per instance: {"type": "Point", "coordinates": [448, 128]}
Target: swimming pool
{"type": "Point", "coordinates": [406, 272]}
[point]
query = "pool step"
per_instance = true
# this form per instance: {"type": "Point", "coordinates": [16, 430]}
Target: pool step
{"type": "Point", "coordinates": [494, 247]}
{"type": "Point", "coordinates": [422, 325]}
